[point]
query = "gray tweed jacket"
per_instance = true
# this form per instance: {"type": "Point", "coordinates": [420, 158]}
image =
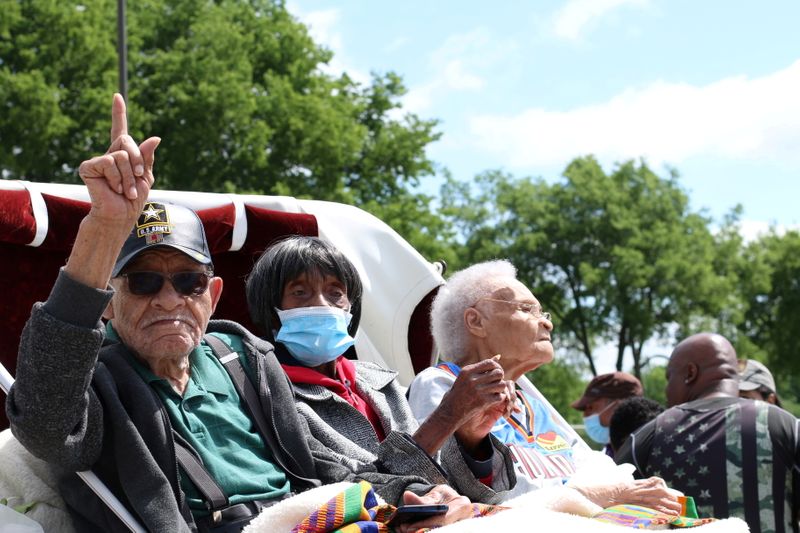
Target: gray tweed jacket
{"type": "Point", "coordinates": [345, 431]}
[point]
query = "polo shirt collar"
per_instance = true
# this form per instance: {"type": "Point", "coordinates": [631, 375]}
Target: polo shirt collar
{"type": "Point", "coordinates": [207, 374]}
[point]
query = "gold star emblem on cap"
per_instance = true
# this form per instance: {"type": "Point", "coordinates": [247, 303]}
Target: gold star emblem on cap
{"type": "Point", "coordinates": [151, 213]}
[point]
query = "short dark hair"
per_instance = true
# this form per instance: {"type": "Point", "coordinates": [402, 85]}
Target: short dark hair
{"type": "Point", "coordinates": [631, 414]}
{"type": "Point", "coordinates": [286, 260]}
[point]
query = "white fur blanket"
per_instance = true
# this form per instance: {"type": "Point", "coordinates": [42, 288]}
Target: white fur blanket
{"type": "Point", "coordinates": [560, 509]}
{"type": "Point", "coordinates": [26, 479]}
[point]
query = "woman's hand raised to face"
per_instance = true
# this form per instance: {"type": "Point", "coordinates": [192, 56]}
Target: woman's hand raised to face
{"type": "Point", "coordinates": [479, 388]}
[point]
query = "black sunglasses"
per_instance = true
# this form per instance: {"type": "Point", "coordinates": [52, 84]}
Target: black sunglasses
{"type": "Point", "coordinates": [150, 283]}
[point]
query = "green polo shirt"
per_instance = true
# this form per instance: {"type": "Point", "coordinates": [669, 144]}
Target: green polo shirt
{"type": "Point", "coordinates": [212, 418]}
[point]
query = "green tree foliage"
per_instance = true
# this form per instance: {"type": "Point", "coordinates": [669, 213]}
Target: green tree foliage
{"type": "Point", "coordinates": [768, 275]}
{"type": "Point", "coordinates": [654, 382]}
{"type": "Point", "coordinates": [236, 90]}
{"type": "Point", "coordinates": [615, 257]}
{"type": "Point", "coordinates": [56, 75]}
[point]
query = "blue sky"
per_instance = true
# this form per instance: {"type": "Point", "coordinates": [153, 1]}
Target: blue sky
{"type": "Point", "coordinates": [709, 87]}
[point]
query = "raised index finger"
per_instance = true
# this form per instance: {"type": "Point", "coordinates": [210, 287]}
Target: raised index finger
{"type": "Point", "coordinates": [119, 117]}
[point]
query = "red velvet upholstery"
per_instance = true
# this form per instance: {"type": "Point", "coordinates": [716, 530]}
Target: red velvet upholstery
{"type": "Point", "coordinates": [29, 272]}
{"type": "Point", "coordinates": [420, 340]}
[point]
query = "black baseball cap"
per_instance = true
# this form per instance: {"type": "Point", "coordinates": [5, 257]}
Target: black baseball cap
{"type": "Point", "coordinates": [165, 225]}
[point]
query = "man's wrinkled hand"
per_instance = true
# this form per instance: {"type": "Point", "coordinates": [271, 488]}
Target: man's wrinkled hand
{"type": "Point", "coordinates": [120, 180]}
{"type": "Point", "coordinates": [460, 507]}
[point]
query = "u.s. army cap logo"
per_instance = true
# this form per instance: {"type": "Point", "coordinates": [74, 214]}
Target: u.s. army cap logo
{"type": "Point", "coordinates": [153, 223]}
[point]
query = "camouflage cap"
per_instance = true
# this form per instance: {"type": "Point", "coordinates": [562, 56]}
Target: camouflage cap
{"type": "Point", "coordinates": [753, 375]}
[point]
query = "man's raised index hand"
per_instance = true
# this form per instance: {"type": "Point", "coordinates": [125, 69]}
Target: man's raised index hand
{"type": "Point", "coordinates": [119, 117]}
{"type": "Point", "coordinates": [119, 181]}
{"type": "Point", "coordinates": [121, 141]}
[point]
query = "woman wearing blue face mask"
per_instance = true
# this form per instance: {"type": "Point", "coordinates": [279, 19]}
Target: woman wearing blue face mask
{"type": "Point", "coordinates": [306, 297]}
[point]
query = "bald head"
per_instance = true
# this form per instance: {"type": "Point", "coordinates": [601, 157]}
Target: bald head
{"type": "Point", "coordinates": [702, 365]}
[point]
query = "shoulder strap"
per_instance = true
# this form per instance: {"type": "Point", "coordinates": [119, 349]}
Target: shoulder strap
{"type": "Point", "coordinates": [212, 493]}
{"type": "Point", "coordinates": [248, 394]}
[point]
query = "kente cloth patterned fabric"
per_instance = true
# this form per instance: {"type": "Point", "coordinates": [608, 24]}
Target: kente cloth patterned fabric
{"type": "Point", "coordinates": [688, 507]}
{"type": "Point", "coordinates": [356, 510]}
{"type": "Point", "coordinates": [736, 457]}
{"type": "Point", "coordinates": [639, 517]}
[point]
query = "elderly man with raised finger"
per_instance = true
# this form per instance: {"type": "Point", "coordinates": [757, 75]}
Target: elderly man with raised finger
{"type": "Point", "coordinates": [176, 413]}
{"type": "Point", "coordinates": [130, 398]}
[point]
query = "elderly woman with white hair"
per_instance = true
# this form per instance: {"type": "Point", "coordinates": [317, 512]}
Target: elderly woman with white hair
{"type": "Point", "coordinates": [485, 312]}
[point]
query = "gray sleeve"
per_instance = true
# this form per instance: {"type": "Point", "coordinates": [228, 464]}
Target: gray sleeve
{"type": "Point", "coordinates": [51, 407]}
{"type": "Point", "coordinates": [463, 480]}
{"type": "Point", "coordinates": [399, 454]}
{"type": "Point", "coordinates": [75, 303]}
{"type": "Point", "coordinates": [333, 467]}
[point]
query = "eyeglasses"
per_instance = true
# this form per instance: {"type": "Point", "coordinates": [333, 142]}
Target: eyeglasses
{"type": "Point", "coordinates": [150, 283]}
{"type": "Point", "coordinates": [533, 309]}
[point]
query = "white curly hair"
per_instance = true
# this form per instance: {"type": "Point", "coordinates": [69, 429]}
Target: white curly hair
{"type": "Point", "coordinates": [462, 291]}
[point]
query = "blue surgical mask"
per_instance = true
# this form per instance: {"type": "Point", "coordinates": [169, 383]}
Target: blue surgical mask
{"type": "Point", "coordinates": [315, 335]}
{"type": "Point", "coordinates": [596, 431]}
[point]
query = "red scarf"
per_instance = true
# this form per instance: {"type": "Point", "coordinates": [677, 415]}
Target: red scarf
{"type": "Point", "coordinates": [342, 386]}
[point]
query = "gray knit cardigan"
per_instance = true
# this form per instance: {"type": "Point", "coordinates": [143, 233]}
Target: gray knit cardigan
{"type": "Point", "coordinates": [345, 431]}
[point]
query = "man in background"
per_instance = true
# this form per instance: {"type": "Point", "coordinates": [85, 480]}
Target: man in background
{"type": "Point", "coordinates": [599, 401]}
{"type": "Point", "coordinates": [736, 457]}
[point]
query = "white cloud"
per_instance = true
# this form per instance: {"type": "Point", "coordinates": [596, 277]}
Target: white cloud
{"type": "Point", "coordinates": [577, 16]}
{"type": "Point", "coordinates": [739, 117]}
{"type": "Point", "coordinates": [323, 26]}
{"type": "Point", "coordinates": [458, 65]}
{"type": "Point", "coordinates": [751, 230]}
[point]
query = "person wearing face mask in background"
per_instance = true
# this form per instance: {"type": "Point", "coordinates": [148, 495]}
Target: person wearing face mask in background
{"type": "Point", "coordinates": [305, 295]}
{"type": "Point", "coordinates": [599, 401]}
